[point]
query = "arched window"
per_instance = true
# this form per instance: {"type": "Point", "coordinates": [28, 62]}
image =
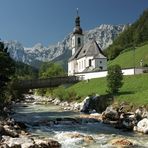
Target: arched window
{"type": "Point", "coordinates": [79, 41]}
{"type": "Point", "coordinates": [89, 62]}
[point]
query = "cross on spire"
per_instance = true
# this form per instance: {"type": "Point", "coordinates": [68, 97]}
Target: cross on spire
{"type": "Point", "coordinates": [77, 11]}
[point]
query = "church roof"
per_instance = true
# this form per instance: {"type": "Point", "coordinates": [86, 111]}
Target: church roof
{"type": "Point", "coordinates": [75, 55]}
{"type": "Point", "coordinates": [91, 49]}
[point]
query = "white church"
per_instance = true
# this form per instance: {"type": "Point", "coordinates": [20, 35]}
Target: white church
{"type": "Point", "coordinates": [86, 57]}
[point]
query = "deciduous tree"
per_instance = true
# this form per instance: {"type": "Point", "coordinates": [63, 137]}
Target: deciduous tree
{"type": "Point", "coordinates": [114, 79]}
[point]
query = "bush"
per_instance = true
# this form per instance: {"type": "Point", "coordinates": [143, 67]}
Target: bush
{"type": "Point", "coordinates": [64, 94]}
{"type": "Point", "coordinates": [114, 79]}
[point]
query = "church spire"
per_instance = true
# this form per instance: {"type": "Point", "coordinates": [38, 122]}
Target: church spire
{"type": "Point", "coordinates": [77, 29]}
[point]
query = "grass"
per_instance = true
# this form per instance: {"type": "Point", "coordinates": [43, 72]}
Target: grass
{"type": "Point", "coordinates": [134, 89]}
{"type": "Point", "coordinates": [126, 59]}
{"type": "Point", "coordinates": [85, 88]}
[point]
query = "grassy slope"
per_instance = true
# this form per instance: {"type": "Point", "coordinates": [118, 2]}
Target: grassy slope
{"type": "Point", "coordinates": [125, 60]}
{"type": "Point", "coordinates": [134, 90]}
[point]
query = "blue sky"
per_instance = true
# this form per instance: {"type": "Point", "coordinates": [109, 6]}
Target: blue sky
{"type": "Point", "coordinates": [49, 21]}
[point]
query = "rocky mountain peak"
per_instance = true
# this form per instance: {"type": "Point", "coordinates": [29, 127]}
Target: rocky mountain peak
{"type": "Point", "coordinates": [104, 35]}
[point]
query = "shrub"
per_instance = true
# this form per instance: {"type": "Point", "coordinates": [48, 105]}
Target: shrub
{"type": "Point", "coordinates": [64, 94]}
{"type": "Point", "coordinates": [114, 79]}
{"type": "Point", "coordinates": [61, 93]}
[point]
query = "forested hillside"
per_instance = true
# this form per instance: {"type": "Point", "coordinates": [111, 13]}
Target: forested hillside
{"type": "Point", "coordinates": [135, 35]}
{"type": "Point", "coordinates": [24, 71]}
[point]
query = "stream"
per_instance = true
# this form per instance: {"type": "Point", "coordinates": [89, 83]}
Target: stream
{"type": "Point", "coordinates": [69, 129]}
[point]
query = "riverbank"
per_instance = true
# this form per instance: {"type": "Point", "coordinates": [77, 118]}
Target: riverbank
{"type": "Point", "coordinates": [15, 134]}
{"type": "Point", "coordinates": [66, 129]}
{"type": "Point", "coordinates": [121, 116]}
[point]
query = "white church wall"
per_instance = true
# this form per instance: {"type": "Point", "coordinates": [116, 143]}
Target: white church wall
{"type": "Point", "coordinates": [81, 64]}
{"type": "Point", "coordinates": [91, 75]}
{"type": "Point", "coordinates": [72, 67]}
{"type": "Point", "coordinates": [100, 63]}
{"type": "Point", "coordinates": [128, 71]}
{"type": "Point", "coordinates": [87, 60]}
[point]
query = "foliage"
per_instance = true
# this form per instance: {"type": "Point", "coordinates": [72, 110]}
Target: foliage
{"type": "Point", "coordinates": [132, 36]}
{"type": "Point", "coordinates": [49, 69]}
{"type": "Point", "coordinates": [114, 79]}
{"type": "Point", "coordinates": [41, 91]}
{"type": "Point", "coordinates": [64, 94]}
{"type": "Point", "coordinates": [24, 71]}
{"type": "Point", "coordinates": [7, 70]}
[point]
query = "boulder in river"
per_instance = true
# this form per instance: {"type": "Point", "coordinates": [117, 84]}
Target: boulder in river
{"type": "Point", "coordinates": [142, 126]}
{"type": "Point", "coordinates": [86, 105]}
{"type": "Point", "coordinates": [97, 103]}
{"type": "Point", "coordinates": [121, 142]}
{"type": "Point", "coordinates": [110, 114]}
{"type": "Point", "coordinates": [141, 113]}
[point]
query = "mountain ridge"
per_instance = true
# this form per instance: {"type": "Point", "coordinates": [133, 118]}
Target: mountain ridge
{"type": "Point", "coordinates": [104, 35]}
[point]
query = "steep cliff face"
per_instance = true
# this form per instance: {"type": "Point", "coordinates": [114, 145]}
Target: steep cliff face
{"type": "Point", "coordinates": [104, 35]}
{"type": "Point", "coordinates": [16, 50]}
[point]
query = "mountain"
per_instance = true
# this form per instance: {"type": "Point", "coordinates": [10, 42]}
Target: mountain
{"type": "Point", "coordinates": [133, 36]}
{"type": "Point", "coordinates": [104, 35]}
{"type": "Point", "coordinates": [16, 50]}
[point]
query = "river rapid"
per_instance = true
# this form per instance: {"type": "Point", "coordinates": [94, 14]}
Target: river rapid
{"type": "Point", "coordinates": [69, 129]}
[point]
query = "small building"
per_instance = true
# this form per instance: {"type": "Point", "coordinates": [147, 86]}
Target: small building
{"type": "Point", "coordinates": [85, 57]}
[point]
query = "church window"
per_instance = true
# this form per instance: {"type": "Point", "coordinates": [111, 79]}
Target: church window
{"type": "Point", "coordinates": [79, 41]}
{"type": "Point", "coordinates": [89, 62]}
{"type": "Point", "coordinates": [101, 67]}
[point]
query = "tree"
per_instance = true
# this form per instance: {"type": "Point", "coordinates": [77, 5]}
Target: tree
{"type": "Point", "coordinates": [133, 35]}
{"type": "Point", "coordinates": [49, 69]}
{"type": "Point", "coordinates": [7, 69]}
{"type": "Point", "coordinates": [114, 79]}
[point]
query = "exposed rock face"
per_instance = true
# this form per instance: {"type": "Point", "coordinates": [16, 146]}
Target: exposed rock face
{"type": "Point", "coordinates": [97, 103]}
{"type": "Point", "coordinates": [16, 51]}
{"type": "Point", "coordinates": [104, 35]}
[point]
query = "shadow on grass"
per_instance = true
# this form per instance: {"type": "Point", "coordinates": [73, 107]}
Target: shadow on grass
{"type": "Point", "coordinates": [125, 93]}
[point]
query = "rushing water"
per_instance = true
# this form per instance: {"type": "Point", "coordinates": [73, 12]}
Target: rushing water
{"type": "Point", "coordinates": [38, 116]}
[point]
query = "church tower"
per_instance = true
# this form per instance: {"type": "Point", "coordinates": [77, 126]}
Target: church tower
{"type": "Point", "coordinates": [77, 37]}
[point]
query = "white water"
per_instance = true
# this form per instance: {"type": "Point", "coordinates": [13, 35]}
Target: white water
{"type": "Point", "coordinates": [40, 120]}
